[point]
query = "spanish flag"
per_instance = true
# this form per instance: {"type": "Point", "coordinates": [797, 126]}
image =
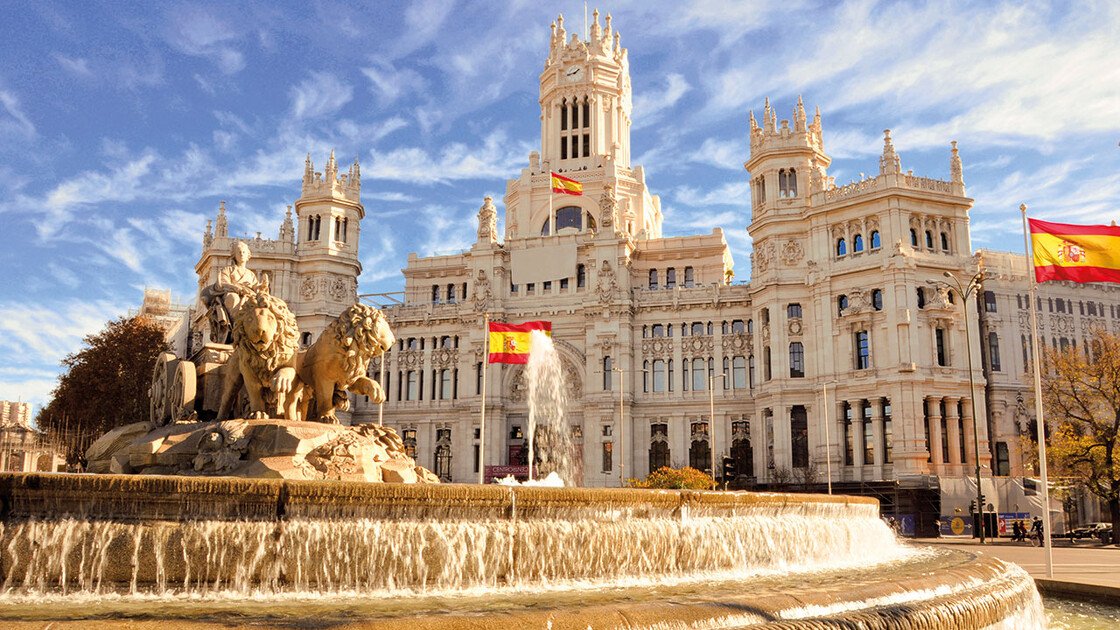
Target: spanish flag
{"type": "Point", "coordinates": [1078, 253]}
{"type": "Point", "coordinates": [566, 186]}
{"type": "Point", "coordinates": [509, 343]}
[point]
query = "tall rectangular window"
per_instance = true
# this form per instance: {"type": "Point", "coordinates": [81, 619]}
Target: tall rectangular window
{"type": "Point", "coordinates": [581, 276]}
{"type": "Point", "coordinates": [1003, 460]}
{"type": "Point", "coordinates": [739, 372]}
{"type": "Point", "coordinates": [799, 436]}
{"type": "Point", "coordinates": [563, 147]}
{"type": "Point", "coordinates": [796, 360]}
{"type": "Point", "coordinates": [699, 379]}
{"type": "Point", "coordinates": [413, 388]}
{"type": "Point", "coordinates": [993, 351]}
{"type": "Point", "coordinates": [445, 384]}
{"type": "Point", "coordinates": [863, 350]}
{"type": "Point", "coordinates": [659, 375]}
{"type": "Point", "coordinates": [849, 439]}
{"type": "Point", "coordinates": [888, 433]}
{"type": "Point", "coordinates": [608, 456]}
{"type": "Point", "coordinates": [689, 277]}
{"type": "Point", "coordinates": [586, 114]}
{"type": "Point", "coordinates": [586, 144]}
{"type": "Point", "coordinates": [793, 310]}
{"type": "Point", "coordinates": [990, 301]}
{"type": "Point", "coordinates": [608, 374]}
{"type": "Point", "coordinates": [939, 339]}
{"type": "Point", "coordinates": [868, 434]}
{"type": "Point", "coordinates": [670, 278]}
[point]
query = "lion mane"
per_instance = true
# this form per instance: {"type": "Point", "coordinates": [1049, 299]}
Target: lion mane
{"type": "Point", "coordinates": [355, 334]}
{"type": "Point", "coordinates": [284, 343]}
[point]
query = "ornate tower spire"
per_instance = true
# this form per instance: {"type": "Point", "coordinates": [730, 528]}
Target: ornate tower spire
{"type": "Point", "coordinates": [956, 169]}
{"type": "Point", "coordinates": [799, 118]}
{"type": "Point", "coordinates": [308, 171]}
{"type": "Point", "coordinates": [889, 161]}
{"type": "Point", "coordinates": [287, 229]}
{"type": "Point", "coordinates": [207, 236]}
{"type": "Point", "coordinates": [754, 123]}
{"type": "Point", "coordinates": [487, 221]}
{"type": "Point", "coordinates": [330, 173]}
{"type": "Point", "coordinates": [221, 227]}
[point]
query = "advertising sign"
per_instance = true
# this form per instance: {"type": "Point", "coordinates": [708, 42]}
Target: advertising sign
{"type": "Point", "coordinates": [521, 473]}
{"type": "Point", "coordinates": [1007, 518]}
{"type": "Point", "coordinates": [956, 525]}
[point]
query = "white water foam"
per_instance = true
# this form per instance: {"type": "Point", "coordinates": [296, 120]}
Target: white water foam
{"type": "Point", "coordinates": [550, 437]}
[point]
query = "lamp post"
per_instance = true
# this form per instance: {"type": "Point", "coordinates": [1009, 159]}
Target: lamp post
{"type": "Point", "coordinates": [966, 292]}
{"type": "Point", "coordinates": [621, 425]}
{"type": "Point", "coordinates": [712, 421]}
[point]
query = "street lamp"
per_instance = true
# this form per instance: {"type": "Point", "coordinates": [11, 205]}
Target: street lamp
{"type": "Point", "coordinates": [621, 425]}
{"type": "Point", "coordinates": [966, 293]}
{"type": "Point", "coordinates": [712, 421]}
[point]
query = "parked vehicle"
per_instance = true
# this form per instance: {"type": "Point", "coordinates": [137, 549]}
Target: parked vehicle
{"type": "Point", "coordinates": [1090, 530]}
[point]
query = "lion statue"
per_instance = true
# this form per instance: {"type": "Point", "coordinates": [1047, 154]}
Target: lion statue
{"type": "Point", "coordinates": [265, 340]}
{"type": "Point", "coordinates": [338, 361]}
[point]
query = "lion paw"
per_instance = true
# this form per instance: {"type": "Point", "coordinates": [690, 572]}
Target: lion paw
{"type": "Point", "coordinates": [258, 415]}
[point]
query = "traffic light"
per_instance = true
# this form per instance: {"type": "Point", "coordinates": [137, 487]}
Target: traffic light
{"type": "Point", "coordinates": [729, 472]}
{"type": "Point", "coordinates": [972, 506]}
{"type": "Point", "coordinates": [983, 502]}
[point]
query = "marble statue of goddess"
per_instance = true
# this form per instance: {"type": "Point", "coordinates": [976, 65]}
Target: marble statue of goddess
{"type": "Point", "coordinates": [224, 297]}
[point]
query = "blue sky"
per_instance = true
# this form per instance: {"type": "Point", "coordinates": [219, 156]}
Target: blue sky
{"type": "Point", "coordinates": [123, 124]}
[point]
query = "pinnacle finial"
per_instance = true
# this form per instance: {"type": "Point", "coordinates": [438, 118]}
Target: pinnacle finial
{"type": "Point", "coordinates": [956, 168]}
{"type": "Point", "coordinates": [754, 123]}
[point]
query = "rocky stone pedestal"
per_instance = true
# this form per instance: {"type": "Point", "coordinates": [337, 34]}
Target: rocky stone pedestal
{"type": "Point", "coordinates": [271, 449]}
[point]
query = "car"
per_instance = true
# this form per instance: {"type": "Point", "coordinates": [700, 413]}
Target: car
{"type": "Point", "coordinates": [1091, 530]}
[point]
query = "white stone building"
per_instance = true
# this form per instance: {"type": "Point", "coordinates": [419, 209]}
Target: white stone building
{"type": "Point", "coordinates": [22, 448]}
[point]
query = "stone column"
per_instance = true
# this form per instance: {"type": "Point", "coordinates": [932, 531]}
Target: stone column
{"type": "Point", "coordinates": [969, 426]}
{"type": "Point", "coordinates": [933, 413]}
{"type": "Point", "coordinates": [877, 432]}
{"type": "Point", "coordinates": [857, 429]}
{"type": "Point", "coordinates": [953, 429]}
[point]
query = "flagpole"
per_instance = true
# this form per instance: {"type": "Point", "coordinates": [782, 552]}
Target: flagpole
{"type": "Point", "coordinates": [551, 216]}
{"type": "Point", "coordinates": [482, 414]}
{"type": "Point", "coordinates": [1038, 410]}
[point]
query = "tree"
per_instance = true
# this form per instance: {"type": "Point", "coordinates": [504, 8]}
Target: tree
{"type": "Point", "coordinates": [666, 478]}
{"type": "Point", "coordinates": [1082, 403]}
{"type": "Point", "coordinates": [105, 384]}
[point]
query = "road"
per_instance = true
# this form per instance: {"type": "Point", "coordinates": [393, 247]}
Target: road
{"type": "Point", "coordinates": [1087, 563]}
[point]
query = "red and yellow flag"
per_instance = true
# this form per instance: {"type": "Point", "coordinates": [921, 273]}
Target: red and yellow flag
{"type": "Point", "coordinates": [509, 343]}
{"type": "Point", "coordinates": [566, 186]}
{"type": "Point", "coordinates": [1078, 253]}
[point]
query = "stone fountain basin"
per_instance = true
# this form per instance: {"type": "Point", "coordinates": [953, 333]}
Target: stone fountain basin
{"type": "Point", "coordinates": [694, 588]}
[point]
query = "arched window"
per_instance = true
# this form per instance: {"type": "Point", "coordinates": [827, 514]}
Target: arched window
{"type": "Point", "coordinates": [796, 360]}
{"type": "Point", "coordinates": [913, 237]}
{"type": "Point", "coordinates": [700, 454]}
{"type": "Point", "coordinates": [750, 326]}
{"type": "Point", "coordinates": [841, 304]}
{"type": "Point", "coordinates": [792, 181]}
{"type": "Point", "coordinates": [766, 374]}
{"type": "Point", "coordinates": [877, 299]}
{"type": "Point", "coordinates": [652, 278]}
{"type": "Point", "coordinates": [782, 186]}
{"type": "Point", "coordinates": [658, 330]}
{"type": "Point", "coordinates": [929, 239]}
{"type": "Point", "coordinates": [857, 243]}
{"type": "Point", "coordinates": [689, 277]}
{"type": "Point", "coordinates": [944, 241]}
{"type": "Point", "coordinates": [658, 446]}
{"type": "Point", "coordinates": [841, 247]}
{"type": "Point", "coordinates": [793, 310]}
{"type": "Point", "coordinates": [670, 278]}
{"type": "Point", "coordinates": [566, 217]}
{"type": "Point", "coordinates": [345, 230]}
{"type": "Point", "coordinates": [876, 240]}
{"type": "Point", "coordinates": [451, 294]}
{"type": "Point", "coordinates": [435, 294]}
{"type": "Point", "coordinates": [564, 115]}
{"type": "Point", "coordinates": [787, 183]}
{"type": "Point", "coordinates": [921, 297]}
{"type": "Point", "coordinates": [698, 328]}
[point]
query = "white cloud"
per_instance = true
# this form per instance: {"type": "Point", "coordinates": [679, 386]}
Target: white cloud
{"type": "Point", "coordinates": [728, 154]}
{"type": "Point", "coordinates": [320, 94]}
{"type": "Point", "coordinates": [77, 66]}
{"type": "Point", "coordinates": [14, 119]}
{"type": "Point", "coordinates": [497, 157]}
{"type": "Point", "coordinates": [198, 33]}
{"type": "Point", "coordinates": [729, 194]}
{"type": "Point", "coordinates": [649, 104]}
{"type": "Point", "coordinates": [389, 83]}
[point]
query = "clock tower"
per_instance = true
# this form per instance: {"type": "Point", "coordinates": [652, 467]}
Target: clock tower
{"type": "Point", "coordinates": [585, 104]}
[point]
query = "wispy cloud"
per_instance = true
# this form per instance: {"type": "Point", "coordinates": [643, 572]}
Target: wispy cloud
{"type": "Point", "coordinates": [14, 120]}
{"type": "Point", "coordinates": [649, 105]}
{"type": "Point", "coordinates": [496, 157]}
{"type": "Point", "coordinates": [730, 194]}
{"type": "Point", "coordinates": [319, 94]}
{"type": "Point", "coordinates": [199, 33]}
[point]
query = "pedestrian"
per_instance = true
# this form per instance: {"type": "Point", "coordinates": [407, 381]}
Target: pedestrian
{"type": "Point", "coordinates": [1036, 529]}
{"type": "Point", "coordinates": [1016, 531]}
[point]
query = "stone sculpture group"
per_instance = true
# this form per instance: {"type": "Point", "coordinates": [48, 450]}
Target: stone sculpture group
{"type": "Point", "coordinates": [276, 413]}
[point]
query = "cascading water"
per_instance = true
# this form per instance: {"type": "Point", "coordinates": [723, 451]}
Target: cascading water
{"type": "Point", "coordinates": [550, 437]}
{"type": "Point", "coordinates": [382, 551]}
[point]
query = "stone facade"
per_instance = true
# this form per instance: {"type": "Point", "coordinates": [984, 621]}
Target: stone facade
{"type": "Point", "coordinates": [22, 448]}
{"type": "Point", "coordinates": [1067, 313]}
{"type": "Point", "coordinates": [312, 264]}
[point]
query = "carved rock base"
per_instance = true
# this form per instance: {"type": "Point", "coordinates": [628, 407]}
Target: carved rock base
{"type": "Point", "coordinates": [270, 449]}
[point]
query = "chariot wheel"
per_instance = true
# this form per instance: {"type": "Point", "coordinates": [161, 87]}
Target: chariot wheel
{"type": "Point", "coordinates": [184, 386]}
{"type": "Point", "coordinates": [159, 411]}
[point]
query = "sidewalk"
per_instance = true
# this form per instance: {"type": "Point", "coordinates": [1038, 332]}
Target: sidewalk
{"type": "Point", "coordinates": [1085, 570]}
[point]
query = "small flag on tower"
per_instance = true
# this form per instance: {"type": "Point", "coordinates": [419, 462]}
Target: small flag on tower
{"type": "Point", "coordinates": [566, 186]}
{"type": "Point", "coordinates": [509, 343]}
{"type": "Point", "coordinates": [1078, 253]}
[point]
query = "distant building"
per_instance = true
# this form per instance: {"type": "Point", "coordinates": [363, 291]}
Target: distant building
{"type": "Point", "coordinates": [22, 448]}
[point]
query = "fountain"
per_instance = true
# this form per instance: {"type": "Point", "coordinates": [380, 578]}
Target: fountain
{"type": "Point", "coordinates": [550, 438]}
{"type": "Point", "coordinates": [269, 518]}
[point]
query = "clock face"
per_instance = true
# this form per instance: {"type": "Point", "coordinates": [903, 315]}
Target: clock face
{"type": "Point", "coordinates": [573, 73]}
